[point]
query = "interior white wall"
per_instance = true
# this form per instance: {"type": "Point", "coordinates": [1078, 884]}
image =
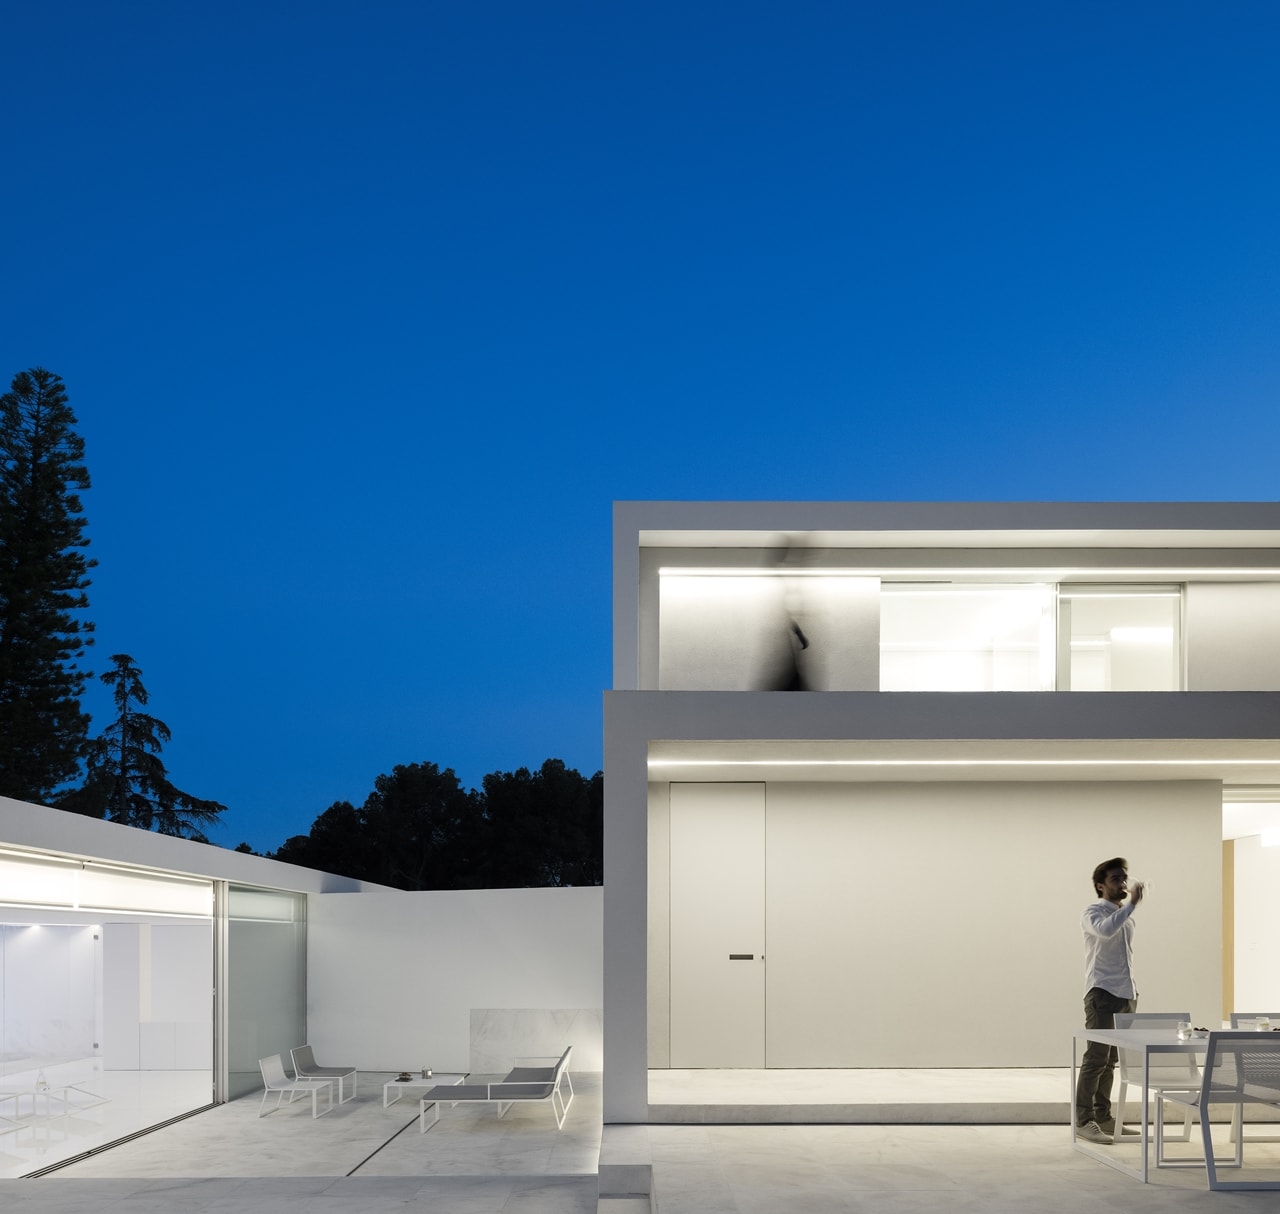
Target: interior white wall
{"type": "Point", "coordinates": [46, 992]}
{"type": "Point", "coordinates": [1257, 910]}
{"type": "Point", "coordinates": [157, 996]}
{"type": "Point", "coordinates": [392, 978]}
{"type": "Point", "coordinates": [1231, 638]}
{"type": "Point", "coordinates": [121, 996]}
{"type": "Point", "coordinates": [960, 903]}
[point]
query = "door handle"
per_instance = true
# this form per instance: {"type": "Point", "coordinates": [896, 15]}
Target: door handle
{"type": "Point", "coordinates": [742, 956]}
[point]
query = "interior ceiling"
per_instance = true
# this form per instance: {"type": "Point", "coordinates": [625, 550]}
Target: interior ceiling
{"type": "Point", "coordinates": [1250, 769]}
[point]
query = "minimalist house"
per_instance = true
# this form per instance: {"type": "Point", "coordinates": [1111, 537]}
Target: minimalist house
{"type": "Point", "coordinates": [861, 759]}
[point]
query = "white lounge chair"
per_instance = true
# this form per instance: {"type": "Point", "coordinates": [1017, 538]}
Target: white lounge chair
{"type": "Point", "coordinates": [304, 1063]}
{"type": "Point", "coordinates": [275, 1080]}
{"type": "Point", "coordinates": [1239, 1068]}
{"type": "Point", "coordinates": [521, 1084]}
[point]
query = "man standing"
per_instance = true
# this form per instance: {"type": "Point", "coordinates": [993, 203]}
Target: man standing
{"type": "Point", "coordinates": [1108, 988]}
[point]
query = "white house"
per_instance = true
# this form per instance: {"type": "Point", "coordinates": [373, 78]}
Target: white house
{"type": "Point", "coordinates": [861, 759]}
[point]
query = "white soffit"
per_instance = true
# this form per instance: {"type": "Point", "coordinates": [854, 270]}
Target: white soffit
{"type": "Point", "coordinates": [1230, 761]}
{"type": "Point", "coordinates": [952, 524]}
{"type": "Point", "coordinates": [1250, 770]}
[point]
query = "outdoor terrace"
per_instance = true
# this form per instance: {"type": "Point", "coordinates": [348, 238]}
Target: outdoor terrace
{"type": "Point", "coordinates": [362, 1157]}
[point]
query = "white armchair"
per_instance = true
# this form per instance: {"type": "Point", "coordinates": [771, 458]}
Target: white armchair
{"type": "Point", "coordinates": [304, 1063]}
{"type": "Point", "coordinates": [275, 1080]}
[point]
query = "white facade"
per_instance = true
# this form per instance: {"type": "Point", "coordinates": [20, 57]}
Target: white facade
{"type": "Point", "coordinates": [985, 701]}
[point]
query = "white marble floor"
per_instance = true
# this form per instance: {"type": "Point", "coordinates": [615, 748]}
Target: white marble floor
{"type": "Point", "coordinates": [837, 1169]}
{"type": "Point", "coordinates": [103, 1106]}
{"type": "Point", "coordinates": [359, 1157]}
{"type": "Point", "coordinates": [363, 1158]}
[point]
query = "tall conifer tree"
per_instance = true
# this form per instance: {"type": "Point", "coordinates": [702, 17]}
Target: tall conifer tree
{"type": "Point", "coordinates": [127, 781]}
{"type": "Point", "coordinates": [43, 579]}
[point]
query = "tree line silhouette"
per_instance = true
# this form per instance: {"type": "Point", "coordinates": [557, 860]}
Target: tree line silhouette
{"type": "Point", "coordinates": [417, 829]}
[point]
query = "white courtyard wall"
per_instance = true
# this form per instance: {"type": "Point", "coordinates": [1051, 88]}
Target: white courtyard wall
{"type": "Point", "coordinates": [393, 978]}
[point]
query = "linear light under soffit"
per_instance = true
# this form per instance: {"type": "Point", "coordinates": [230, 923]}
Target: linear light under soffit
{"type": "Point", "coordinates": [654, 763]}
{"type": "Point", "coordinates": [1049, 573]}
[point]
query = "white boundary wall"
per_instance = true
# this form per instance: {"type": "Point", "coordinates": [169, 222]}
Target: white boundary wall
{"type": "Point", "coordinates": [393, 978]}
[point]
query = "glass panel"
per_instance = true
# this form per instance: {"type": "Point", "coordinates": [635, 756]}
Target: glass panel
{"type": "Point", "coordinates": [958, 637]}
{"type": "Point", "coordinates": [103, 888]}
{"type": "Point", "coordinates": [266, 980]}
{"type": "Point", "coordinates": [52, 881]}
{"type": "Point", "coordinates": [111, 1017]}
{"type": "Point", "coordinates": [743, 631]}
{"type": "Point", "coordinates": [37, 880]}
{"type": "Point", "coordinates": [1121, 638]}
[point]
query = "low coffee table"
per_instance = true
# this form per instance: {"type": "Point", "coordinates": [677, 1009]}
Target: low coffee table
{"type": "Point", "coordinates": [400, 1086]}
{"type": "Point", "coordinates": [50, 1092]}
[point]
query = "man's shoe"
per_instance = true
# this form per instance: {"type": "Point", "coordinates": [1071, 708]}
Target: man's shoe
{"type": "Point", "coordinates": [1107, 1125]}
{"type": "Point", "coordinates": [1091, 1131]}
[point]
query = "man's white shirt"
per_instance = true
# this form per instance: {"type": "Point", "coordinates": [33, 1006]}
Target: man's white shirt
{"type": "Point", "coordinates": [1108, 948]}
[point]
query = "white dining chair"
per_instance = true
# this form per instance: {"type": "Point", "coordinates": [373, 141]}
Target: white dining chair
{"type": "Point", "coordinates": [1179, 1072]}
{"type": "Point", "coordinates": [1239, 1068]}
{"type": "Point", "coordinates": [1247, 1020]}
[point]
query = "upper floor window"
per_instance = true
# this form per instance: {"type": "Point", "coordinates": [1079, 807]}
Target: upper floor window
{"type": "Point", "coordinates": [962, 637]}
{"type": "Point", "coordinates": [1119, 638]}
{"type": "Point", "coordinates": [743, 629]}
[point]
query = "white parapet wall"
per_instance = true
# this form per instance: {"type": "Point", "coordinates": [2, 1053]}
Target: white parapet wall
{"type": "Point", "coordinates": [393, 978]}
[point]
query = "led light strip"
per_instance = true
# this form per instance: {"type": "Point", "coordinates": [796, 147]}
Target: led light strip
{"type": "Point", "coordinates": [661, 763]}
{"type": "Point", "coordinates": [1096, 572]}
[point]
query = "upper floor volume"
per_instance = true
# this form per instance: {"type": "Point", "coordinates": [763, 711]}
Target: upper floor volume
{"type": "Point", "coordinates": [897, 596]}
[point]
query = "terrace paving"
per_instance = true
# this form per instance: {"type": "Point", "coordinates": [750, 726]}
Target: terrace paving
{"type": "Point", "coordinates": [364, 1158]}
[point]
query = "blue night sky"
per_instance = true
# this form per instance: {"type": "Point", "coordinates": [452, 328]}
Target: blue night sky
{"type": "Point", "coordinates": [368, 311]}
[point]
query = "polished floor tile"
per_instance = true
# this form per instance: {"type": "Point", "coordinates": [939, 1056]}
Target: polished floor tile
{"type": "Point", "coordinates": [363, 1159]}
{"type": "Point", "coordinates": [101, 1107]}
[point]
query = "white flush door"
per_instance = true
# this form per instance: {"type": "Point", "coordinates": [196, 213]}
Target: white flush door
{"type": "Point", "coordinates": [717, 925]}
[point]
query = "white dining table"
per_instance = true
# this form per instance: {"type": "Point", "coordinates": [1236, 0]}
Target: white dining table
{"type": "Point", "coordinates": [1149, 1041]}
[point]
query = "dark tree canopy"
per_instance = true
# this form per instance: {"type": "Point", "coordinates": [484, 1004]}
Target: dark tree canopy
{"type": "Point", "coordinates": [543, 828]}
{"type": "Point", "coordinates": [418, 829]}
{"type": "Point", "coordinates": [43, 579]}
{"type": "Point", "coordinates": [126, 781]}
